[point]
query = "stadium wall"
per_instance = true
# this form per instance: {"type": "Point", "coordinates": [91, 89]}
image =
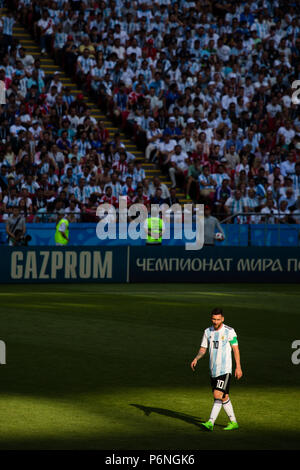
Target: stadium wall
{"type": "Point", "coordinates": [84, 234]}
{"type": "Point", "coordinates": [148, 264]}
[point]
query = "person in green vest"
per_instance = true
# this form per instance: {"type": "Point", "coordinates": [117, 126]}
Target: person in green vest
{"type": "Point", "coordinates": [62, 229]}
{"type": "Point", "coordinates": [155, 228]}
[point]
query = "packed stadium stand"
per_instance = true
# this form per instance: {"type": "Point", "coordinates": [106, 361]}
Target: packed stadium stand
{"type": "Point", "coordinates": [164, 101]}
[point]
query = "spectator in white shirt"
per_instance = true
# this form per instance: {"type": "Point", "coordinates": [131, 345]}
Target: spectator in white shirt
{"type": "Point", "coordinates": [73, 212]}
{"type": "Point", "coordinates": [288, 166]}
{"type": "Point", "coordinates": [276, 174]}
{"type": "Point", "coordinates": [134, 48]}
{"type": "Point", "coordinates": [179, 166]}
{"type": "Point", "coordinates": [287, 131]}
{"type": "Point", "coordinates": [289, 197]}
{"type": "Point", "coordinates": [119, 49]}
{"type": "Point", "coordinates": [155, 184]}
{"type": "Point", "coordinates": [16, 127]}
{"type": "Point", "coordinates": [274, 107]}
{"type": "Point", "coordinates": [45, 25]}
{"type": "Point", "coordinates": [155, 102]}
{"type": "Point", "coordinates": [229, 98]}
{"type": "Point", "coordinates": [269, 213]}
{"type": "Point", "coordinates": [51, 96]}
{"type": "Point", "coordinates": [36, 130]}
{"type": "Point", "coordinates": [165, 147]}
{"type": "Point", "coordinates": [284, 212]}
{"type": "Point", "coordinates": [153, 135]}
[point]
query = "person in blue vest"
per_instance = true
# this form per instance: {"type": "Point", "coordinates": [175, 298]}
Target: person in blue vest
{"type": "Point", "coordinates": [62, 229]}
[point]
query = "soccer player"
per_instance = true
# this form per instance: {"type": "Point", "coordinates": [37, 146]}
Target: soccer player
{"type": "Point", "coordinates": [220, 339]}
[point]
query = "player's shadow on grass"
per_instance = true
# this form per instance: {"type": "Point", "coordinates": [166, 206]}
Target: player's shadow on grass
{"type": "Point", "coordinates": [173, 414]}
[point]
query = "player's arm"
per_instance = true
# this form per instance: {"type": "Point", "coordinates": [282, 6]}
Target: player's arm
{"type": "Point", "coordinates": [236, 352]}
{"type": "Point", "coordinates": [200, 354]}
{"type": "Point", "coordinates": [202, 351]}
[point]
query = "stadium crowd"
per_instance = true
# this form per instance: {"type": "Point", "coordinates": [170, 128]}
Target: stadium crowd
{"type": "Point", "coordinates": [204, 88]}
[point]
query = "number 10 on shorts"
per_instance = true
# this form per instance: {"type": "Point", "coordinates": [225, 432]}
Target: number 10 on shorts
{"type": "Point", "coordinates": [220, 384]}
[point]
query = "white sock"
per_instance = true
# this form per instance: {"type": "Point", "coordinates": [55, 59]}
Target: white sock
{"type": "Point", "coordinates": [215, 410]}
{"type": "Point", "coordinates": [229, 410]}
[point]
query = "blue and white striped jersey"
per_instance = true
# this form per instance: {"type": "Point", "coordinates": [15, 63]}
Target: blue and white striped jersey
{"type": "Point", "coordinates": [218, 344]}
{"type": "Point", "coordinates": [8, 24]}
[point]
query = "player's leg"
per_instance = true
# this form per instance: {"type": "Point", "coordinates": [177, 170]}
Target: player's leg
{"type": "Point", "coordinates": [220, 388]}
{"type": "Point", "coordinates": [217, 406]}
{"type": "Point", "coordinates": [228, 408]}
{"type": "Point", "coordinates": [227, 405]}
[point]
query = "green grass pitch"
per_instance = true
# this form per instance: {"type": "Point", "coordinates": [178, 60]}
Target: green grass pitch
{"type": "Point", "coordinates": [108, 366]}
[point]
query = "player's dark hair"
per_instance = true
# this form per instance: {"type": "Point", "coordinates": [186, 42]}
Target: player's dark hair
{"type": "Point", "coordinates": [217, 311]}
